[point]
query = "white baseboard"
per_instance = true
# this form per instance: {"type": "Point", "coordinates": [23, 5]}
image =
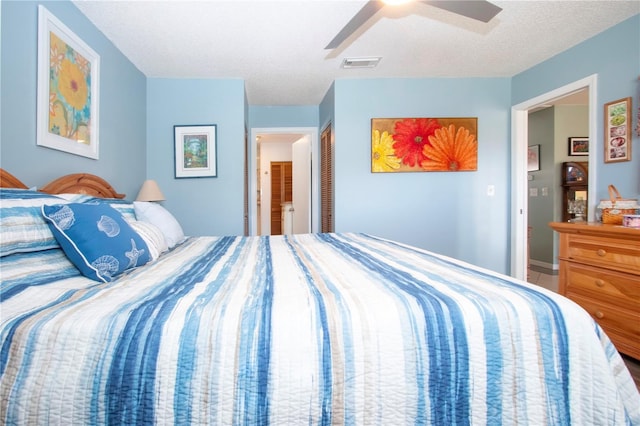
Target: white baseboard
{"type": "Point", "coordinates": [546, 265]}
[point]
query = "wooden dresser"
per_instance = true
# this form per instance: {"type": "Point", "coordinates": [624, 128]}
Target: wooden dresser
{"type": "Point", "coordinates": [600, 270]}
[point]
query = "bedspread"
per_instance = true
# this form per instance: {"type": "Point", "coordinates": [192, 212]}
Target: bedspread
{"type": "Point", "coordinates": [300, 329]}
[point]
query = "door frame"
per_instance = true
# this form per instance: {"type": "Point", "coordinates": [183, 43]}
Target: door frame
{"type": "Point", "coordinates": [519, 189]}
{"type": "Point", "coordinates": [312, 133]}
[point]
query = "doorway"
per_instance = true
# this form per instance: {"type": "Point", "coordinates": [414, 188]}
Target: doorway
{"type": "Point", "coordinates": [519, 192]}
{"type": "Point", "coordinates": [302, 144]}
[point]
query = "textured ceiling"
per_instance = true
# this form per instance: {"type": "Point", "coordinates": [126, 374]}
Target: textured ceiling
{"type": "Point", "coordinates": [277, 47]}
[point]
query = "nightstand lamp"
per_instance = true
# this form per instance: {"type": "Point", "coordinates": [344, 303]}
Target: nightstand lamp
{"type": "Point", "coordinates": [150, 191]}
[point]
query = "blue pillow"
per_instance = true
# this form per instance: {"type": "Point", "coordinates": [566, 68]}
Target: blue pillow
{"type": "Point", "coordinates": [96, 238]}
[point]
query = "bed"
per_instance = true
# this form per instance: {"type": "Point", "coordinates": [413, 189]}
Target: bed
{"type": "Point", "coordinates": [340, 328]}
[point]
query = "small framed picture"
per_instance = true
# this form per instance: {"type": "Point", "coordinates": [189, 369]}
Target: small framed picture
{"type": "Point", "coordinates": [533, 158]}
{"type": "Point", "coordinates": [578, 146]}
{"type": "Point", "coordinates": [617, 130]}
{"type": "Point", "coordinates": [195, 151]}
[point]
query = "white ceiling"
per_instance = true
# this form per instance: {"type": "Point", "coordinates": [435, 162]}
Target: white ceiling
{"type": "Point", "coordinates": [277, 46]}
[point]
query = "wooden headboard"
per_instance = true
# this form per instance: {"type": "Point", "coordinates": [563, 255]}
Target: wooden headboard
{"type": "Point", "coordinates": [81, 183]}
{"type": "Point", "coordinates": [75, 183]}
{"type": "Point", "coordinates": [7, 180]}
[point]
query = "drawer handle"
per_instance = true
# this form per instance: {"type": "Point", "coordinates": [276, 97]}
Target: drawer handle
{"type": "Point", "coordinates": [599, 282]}
{"type": "Point", "coordinates": [601, 252]}
{"type": "Point", "coordinates": [599, 314]}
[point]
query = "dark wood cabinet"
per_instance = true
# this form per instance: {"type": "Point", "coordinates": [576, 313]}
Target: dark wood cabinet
{"type": "Point", "coordinates": [575, 185]}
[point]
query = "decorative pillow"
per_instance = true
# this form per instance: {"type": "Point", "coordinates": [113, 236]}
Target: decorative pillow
{"type": "Point", "coordinates": [152, 235]}
{"type": "Point", "coordinates": [22, 227]}
{"type": "Point", "coordinates": [156, 214]}
{"type": "Point", "coordinates": [97, 239]}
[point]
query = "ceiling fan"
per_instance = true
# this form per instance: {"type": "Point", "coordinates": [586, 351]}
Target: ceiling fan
{"type": "Point", "coordinates": [480, 10]}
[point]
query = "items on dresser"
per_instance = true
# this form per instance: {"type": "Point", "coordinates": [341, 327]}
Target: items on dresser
{"type": "Point", "coordinates": [631, 220]}
{"type": "Point", "coordinates": [612, 211]}
{"type": "Point", "coordinates": [600, 270]}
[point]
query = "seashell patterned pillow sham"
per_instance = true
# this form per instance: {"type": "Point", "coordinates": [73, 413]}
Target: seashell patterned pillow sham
{"type": "Point", "coordinates": [96, 238]}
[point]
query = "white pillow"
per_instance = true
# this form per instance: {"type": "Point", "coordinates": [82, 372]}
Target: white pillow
{"type": "Point", "coordinates": [152, 235]}
{"type": "Point", "coordinates": [159, 216]}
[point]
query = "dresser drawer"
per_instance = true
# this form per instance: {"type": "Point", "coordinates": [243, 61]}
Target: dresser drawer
{"type": "Point", "coordinates": [606, 252]}
{"type": "Point", "coordinates": [615, 288]}
{"type": "Point", "coordinates": [617, 323]}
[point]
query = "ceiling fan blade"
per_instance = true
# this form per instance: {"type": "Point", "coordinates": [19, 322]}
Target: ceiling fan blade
{"type": "Point", "coordinates": [480, 10]}
{"type": "Point", "coordinates": [369, 9]}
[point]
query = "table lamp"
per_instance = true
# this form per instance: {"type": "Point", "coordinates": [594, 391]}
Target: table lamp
{"type": "Point", "coordinates": [150, 191]}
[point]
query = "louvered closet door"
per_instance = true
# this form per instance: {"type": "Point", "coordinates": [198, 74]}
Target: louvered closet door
{"type": "Point", "coordinates": [281, 192]}
{"type": "Point", "coordinates": [326, 181]}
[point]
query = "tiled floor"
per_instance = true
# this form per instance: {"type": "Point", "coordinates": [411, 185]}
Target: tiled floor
{"type": "Point", "coordinates": [549, 280]}
{"type": "Point", "coordinates": [544, 277]}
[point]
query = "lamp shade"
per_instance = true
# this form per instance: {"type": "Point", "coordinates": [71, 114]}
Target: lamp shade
{"type": "Point", "coordinates": [150, 191]}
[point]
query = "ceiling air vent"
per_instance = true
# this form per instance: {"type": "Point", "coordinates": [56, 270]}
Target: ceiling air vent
{"type": "Point", "coordinates": [371, 62]}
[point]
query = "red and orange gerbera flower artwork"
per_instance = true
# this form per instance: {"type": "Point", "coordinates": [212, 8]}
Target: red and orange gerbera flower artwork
{"type": "Point", "coordinates": [410, 136]}
{"type": "Point", "coordinates": [424, 144]}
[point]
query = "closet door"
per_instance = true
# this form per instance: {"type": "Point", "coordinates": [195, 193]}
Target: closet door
{"type": "Point", "coordinates": [326, 181]}
{"type": "Point", "coordinates": [281, 192]}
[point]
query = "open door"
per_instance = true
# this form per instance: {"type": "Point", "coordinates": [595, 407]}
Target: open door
{"type": "Point", "coordinates": [301, 154]}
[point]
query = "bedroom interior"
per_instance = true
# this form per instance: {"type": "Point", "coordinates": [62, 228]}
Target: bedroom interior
{"type": "Point", "coordinates": [338, 320]}
{"type": "Point", "coordinates": [409, 250]}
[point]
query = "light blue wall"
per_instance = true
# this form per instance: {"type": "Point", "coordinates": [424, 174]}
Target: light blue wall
{"type": "Point", "coordinates": [283, 116]}
{"type": "Point", "coordinates": [122, 104]}
{"type": "Point", "coordinates": [327, 108]}
{"type": "Point", "coordinates": [614, 56]}
{"type": "Point", "coordinates": [448, 213]}
{"type": "Point", "coordinates": [204, 206]}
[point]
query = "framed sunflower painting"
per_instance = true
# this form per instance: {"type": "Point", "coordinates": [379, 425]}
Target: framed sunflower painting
{"type": "Point", "coordinates": [68, 75]}
{"type": "Point", "coordinates": [424, 144]}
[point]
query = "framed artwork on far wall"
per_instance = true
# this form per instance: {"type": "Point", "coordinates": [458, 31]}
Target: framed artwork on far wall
{"type": "Point", "coordinates": [578, 146]}
{"type": "Point", "coordinates": [68, 85]}
{"type": "Point", "coordinates": [195, 151]}
{"type": "Point", "coordinates": [533, 158]}
{"type": "Point", "coordinates": [617, 130]}
{"type": "Point", "coordinates": [424, 144]}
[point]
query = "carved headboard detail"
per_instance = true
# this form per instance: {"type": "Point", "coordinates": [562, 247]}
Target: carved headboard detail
{"type": "Point", "coordinates": [75, 183]}
{"type": "Point", "coordinates": [81, 183]}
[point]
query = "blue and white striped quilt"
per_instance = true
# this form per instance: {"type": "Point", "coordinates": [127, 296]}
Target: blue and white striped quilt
{"type": "Point", "coordinates": [313, 329]}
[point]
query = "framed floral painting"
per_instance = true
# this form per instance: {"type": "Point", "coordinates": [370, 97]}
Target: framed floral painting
{"type": "Point", "coordinates": [424, 144]}
{"type": "Point", "coordinates": [68, 98]}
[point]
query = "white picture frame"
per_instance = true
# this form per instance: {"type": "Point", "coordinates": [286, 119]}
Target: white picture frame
{"type": "Point", "coordinates": [68, 96]}
{"type": "Point", "coordinates": [195, 151]}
